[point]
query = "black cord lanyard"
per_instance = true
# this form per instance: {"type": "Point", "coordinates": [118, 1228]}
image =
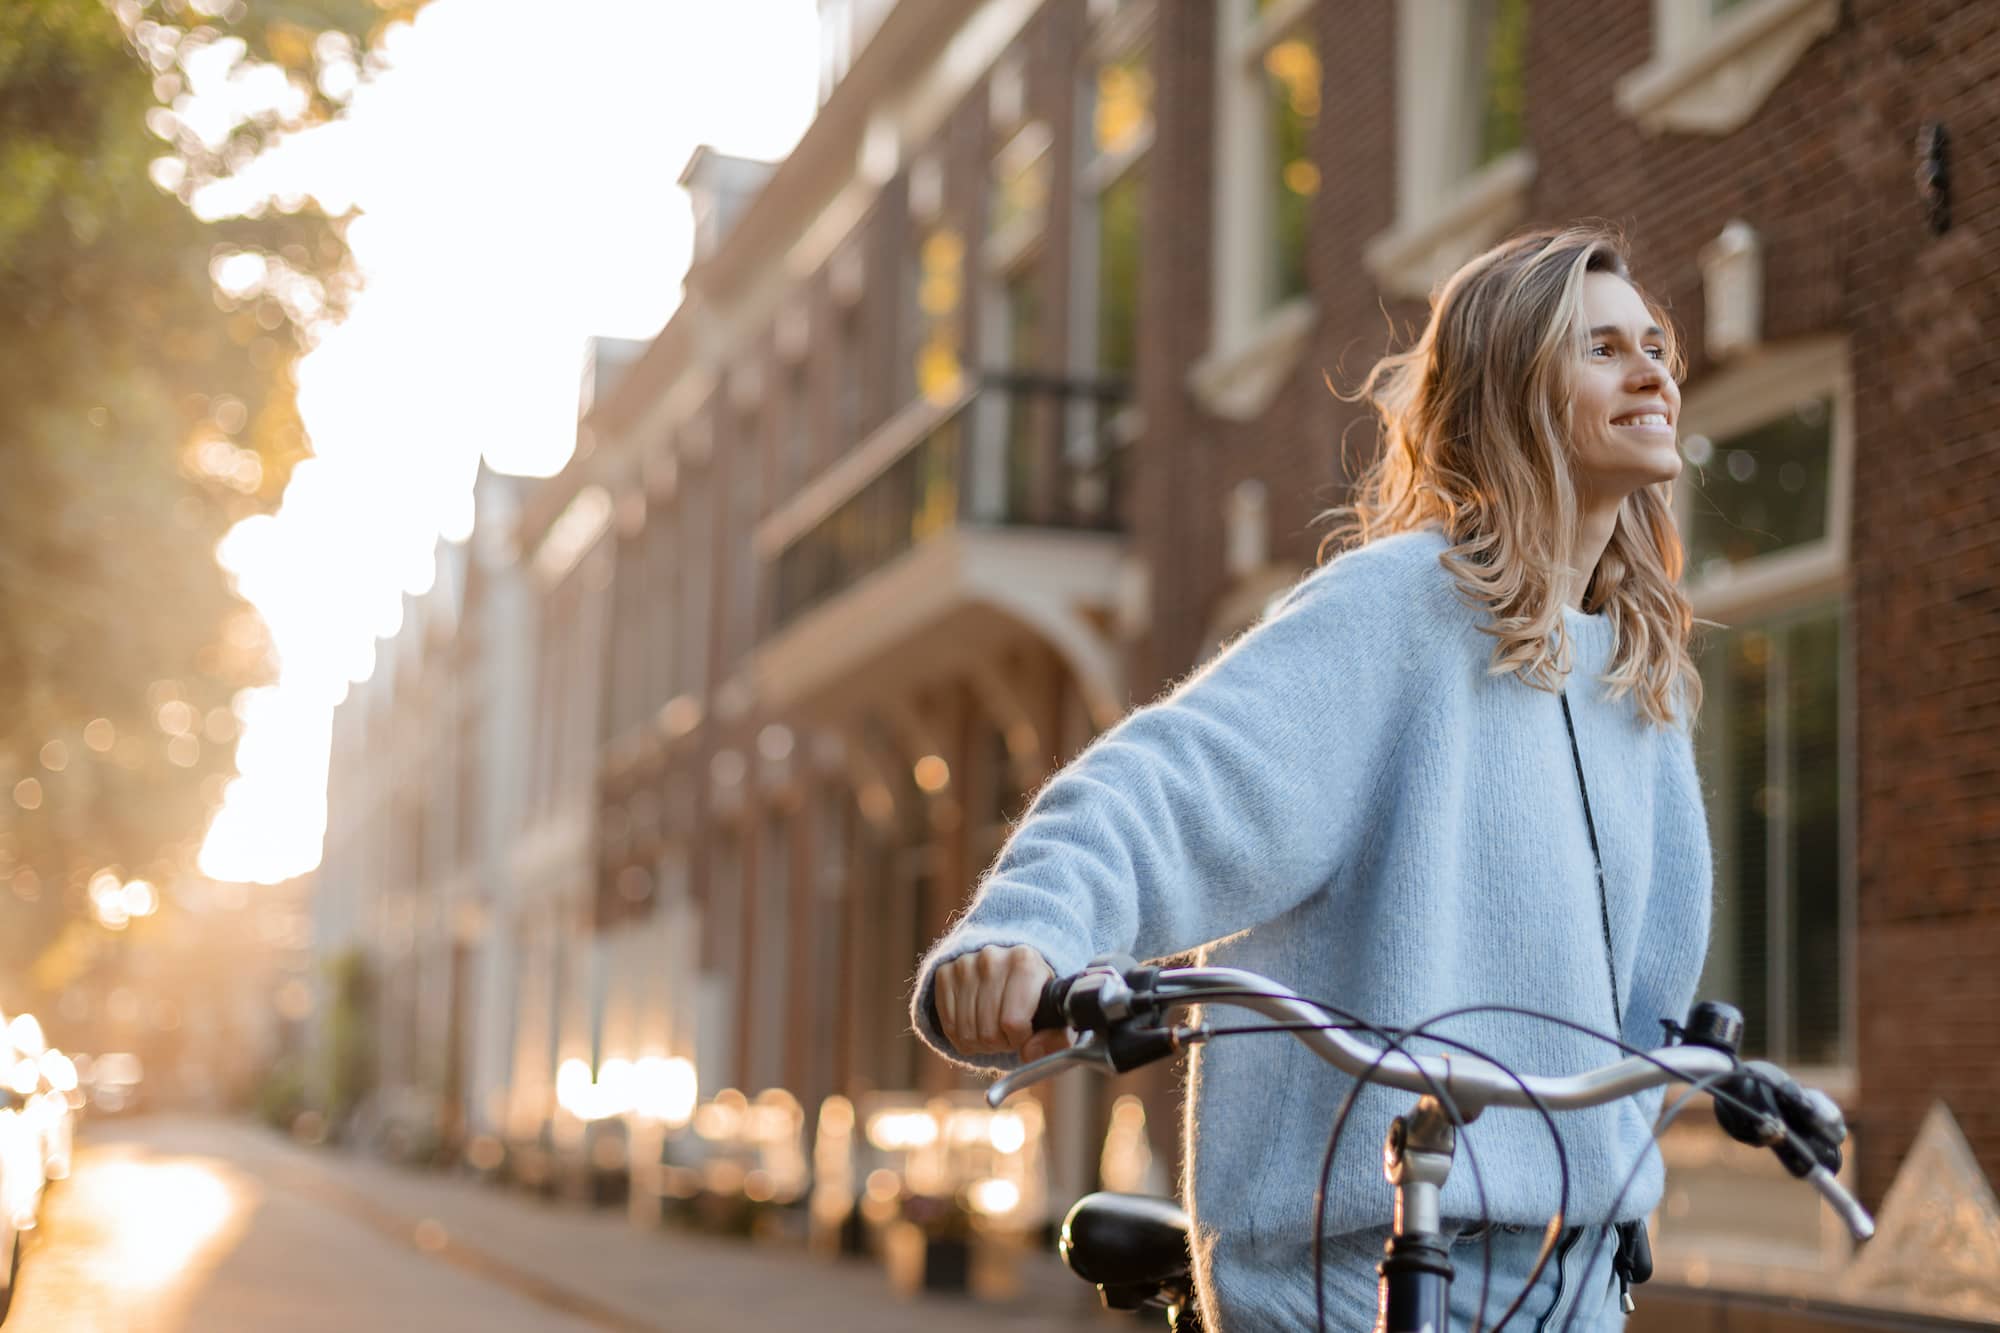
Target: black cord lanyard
{"type": "Point", "coordinates": [1603, 897]}
{"type": "Point", "coordinates": [1632, 1257]}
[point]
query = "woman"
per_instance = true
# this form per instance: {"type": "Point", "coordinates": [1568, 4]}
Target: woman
{"type": "Point", "coordinates": [1372, 798]}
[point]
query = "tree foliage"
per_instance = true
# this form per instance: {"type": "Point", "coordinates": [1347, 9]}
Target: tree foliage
{"type": "Point", "coordinates": [146, 403]}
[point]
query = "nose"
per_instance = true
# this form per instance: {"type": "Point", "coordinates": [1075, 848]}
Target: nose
{"type": "Point", "coordinates": [1648, 373]}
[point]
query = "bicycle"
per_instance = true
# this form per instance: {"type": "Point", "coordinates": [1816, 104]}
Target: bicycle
{"type": "Point", "coordinates": [1134, 1249]}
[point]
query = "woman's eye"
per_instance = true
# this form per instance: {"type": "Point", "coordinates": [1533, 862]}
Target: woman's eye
{"type": "Point", "coordinates": [1657, 353]}
{"type": "Point", "coordinates": [1601, 347]}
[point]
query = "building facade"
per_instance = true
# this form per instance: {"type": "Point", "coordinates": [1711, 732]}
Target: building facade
{"type": "Point", "coordinates": [1003, 401]}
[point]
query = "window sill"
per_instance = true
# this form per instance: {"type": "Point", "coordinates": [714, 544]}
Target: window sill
{"type": "Point", "coordinates": [1239, 382]}
{"type": "Point", "coordinates": [1714, 86]}
{"type": "Point", "coordinates": [1011, 246]}
{"type": "Point", "coordinates": [1417, 253]}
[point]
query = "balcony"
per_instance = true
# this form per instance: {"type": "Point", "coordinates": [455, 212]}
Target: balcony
{"type": "Point", "coordinates": [951, 512]}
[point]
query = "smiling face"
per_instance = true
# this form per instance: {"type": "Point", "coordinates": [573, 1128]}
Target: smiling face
{"type": "Point", "coordinates": [1625, 407]}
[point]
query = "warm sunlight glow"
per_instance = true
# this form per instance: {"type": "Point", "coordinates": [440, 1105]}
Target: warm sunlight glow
{"type": "Point", "coordinates": [166, 1212]}
{"type": "Point", "coordinates": [516, 170]}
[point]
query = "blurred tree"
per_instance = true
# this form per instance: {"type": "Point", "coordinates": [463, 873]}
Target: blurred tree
{"type": "Point", "coordinates": [155, 309]}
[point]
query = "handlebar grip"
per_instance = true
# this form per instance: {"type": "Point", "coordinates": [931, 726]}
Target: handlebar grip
{"type": "Point", "coordinates": [1050, 1016]}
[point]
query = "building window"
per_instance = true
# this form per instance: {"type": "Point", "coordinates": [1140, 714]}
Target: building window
{"type": "Point", "coordinates": [745, 495]}
{"type": "Point", "coordinates": [1761, 491]}
{"type": "Point", "coordinates": [695, 595]}
{"type": "Point", "coordinates": [795, 443]}
{"type": "Point", "coordinates": [1267, 91]}
{"type": "Point", "coordinates": [1273, 74]}
{"type": "Point", "coordinates": [936, 294]}
{"type": "Point", "coordinates": [1017, 209]}
{"type": "Point", "coordinates": [1120, 229]}
{"type": "Point", "coordinates": [662, 605]}
{"type": "Point", "coordinates": [848, 376]}
{"type": "Point", "coordinates": [1022, 310]}
{"type": "Point", "coordinates": [1462, 163]}
{"type": "Point", "coordinates": [1763, 506]}
{"type": "Point", "coordinates": [1771, 759]}
{"type": "Point", "coordinates": [771, 959]}
{"type": "Point", "coordinates": [1496, 54]}
{"type": "Point", "coordinates": [1119, 97]}
{"type": "Point", "coordinates": [625, 674]}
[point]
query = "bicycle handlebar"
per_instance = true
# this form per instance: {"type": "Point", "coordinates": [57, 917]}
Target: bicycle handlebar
{"type": "Point", "coordinates": [1473, 1084]}
{"type": "Point", "coordinates": [1120, 1010]}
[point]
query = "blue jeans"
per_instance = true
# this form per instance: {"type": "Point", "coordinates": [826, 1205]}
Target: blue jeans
{"type": "Point", "coordinates": [1586, 1303]}
{"type": "Point", "coordinates": [1576, 1289]}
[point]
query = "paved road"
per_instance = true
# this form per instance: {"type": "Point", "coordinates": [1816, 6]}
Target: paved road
{"type": "Point", "coordinates": [175, 1225]}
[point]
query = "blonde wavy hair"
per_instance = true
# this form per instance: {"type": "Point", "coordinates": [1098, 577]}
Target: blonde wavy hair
{"type": "Point", "coordinates": [1475, 427]}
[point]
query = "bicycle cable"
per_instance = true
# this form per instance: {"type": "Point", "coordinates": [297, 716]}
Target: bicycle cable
{"type": "Point", "coordinates": [1393, 1044]}
{"type": "Point", "coordinates": [1422, 1029]}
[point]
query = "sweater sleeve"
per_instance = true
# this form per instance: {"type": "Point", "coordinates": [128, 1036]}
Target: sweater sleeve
{"type": "Point", "coordinates": [1228, 801]}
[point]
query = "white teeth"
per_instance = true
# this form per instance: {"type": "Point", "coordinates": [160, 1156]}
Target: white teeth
{"type": "Point", "coordinates": [1645, 419]}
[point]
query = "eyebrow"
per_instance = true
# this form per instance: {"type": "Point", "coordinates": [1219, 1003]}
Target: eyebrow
{"type": "Point", "coordinates": [1612, 331]}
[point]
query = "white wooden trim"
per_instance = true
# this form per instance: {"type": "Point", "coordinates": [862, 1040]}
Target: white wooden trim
{"type": "Point", "coordinates": [1420, 251]}
{"type": "Point", "coordinates": [1709, 75]}
{"type": "Point", "coordinates": [1238, 382]}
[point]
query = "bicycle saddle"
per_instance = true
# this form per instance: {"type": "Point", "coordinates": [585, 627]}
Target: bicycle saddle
{"type": "Point", "coordinates": [1131, 1245]}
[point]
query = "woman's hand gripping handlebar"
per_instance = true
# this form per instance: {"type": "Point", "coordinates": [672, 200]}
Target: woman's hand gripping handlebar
{"type": "Point", "coordinates": [994, 1001]}
{"type": "Point", "coordinates": [1113, 1006]}
{"type": "Point", "coordinates": [1120, 1012]}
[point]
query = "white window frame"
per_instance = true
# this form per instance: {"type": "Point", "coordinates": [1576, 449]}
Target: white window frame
{"type": "Point", "coordinates": [1738, 399]}
{"type": "Point", "coordinates": [1444, 215]}
{"type": "Point", "coordinates": [1252, 348]}
{"type": "Point", "coordinates": [1710, 72]}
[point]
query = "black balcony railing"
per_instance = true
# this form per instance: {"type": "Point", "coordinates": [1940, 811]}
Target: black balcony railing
{"type": "Point", "coordinates": [999, 460]}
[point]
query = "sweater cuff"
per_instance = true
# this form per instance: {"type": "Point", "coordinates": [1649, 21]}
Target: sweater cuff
{"type": "Point", "coordinates": [1062, 955]}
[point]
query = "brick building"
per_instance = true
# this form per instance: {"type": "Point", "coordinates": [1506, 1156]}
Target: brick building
{"type": "Point", "coordinates": [1002, 401]}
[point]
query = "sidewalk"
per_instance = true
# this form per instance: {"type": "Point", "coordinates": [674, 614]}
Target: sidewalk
{"type": "Point", "coordinates": [595, 1265]}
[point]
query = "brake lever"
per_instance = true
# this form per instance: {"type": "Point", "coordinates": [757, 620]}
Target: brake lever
{"type": "Point", "coordinates": [1087, 1051]}
{"type": "Point", "coordinates": [1859, 1224]}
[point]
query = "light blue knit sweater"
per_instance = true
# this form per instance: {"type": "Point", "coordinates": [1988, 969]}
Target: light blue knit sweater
{"type": "Point", "coordinates": [1348, 802]}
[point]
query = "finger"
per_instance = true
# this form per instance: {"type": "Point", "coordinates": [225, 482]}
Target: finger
{"type": "Point", "coordinates": [1044, 1043]}
{"type": "Point", "coordinates": [944, 998]}
{"type": "Point", "coordinates": [986, 996]}
{"type": "Point", "coordinates": [1018, 1001]}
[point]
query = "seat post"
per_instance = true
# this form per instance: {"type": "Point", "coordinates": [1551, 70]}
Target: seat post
{"type": "Point", "coordinates": [1416, 1264]}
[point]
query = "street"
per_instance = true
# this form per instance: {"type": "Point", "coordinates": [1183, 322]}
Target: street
{"type": "Point", "coordinates": [171, 1224]}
